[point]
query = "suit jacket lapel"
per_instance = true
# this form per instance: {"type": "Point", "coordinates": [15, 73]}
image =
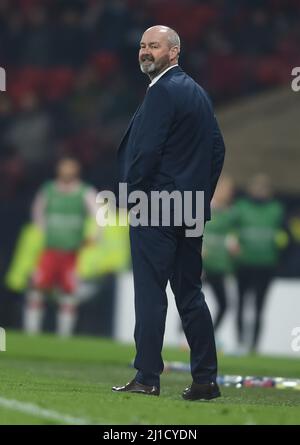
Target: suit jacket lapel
{"type": "Point", "coordinates": [176, 69]}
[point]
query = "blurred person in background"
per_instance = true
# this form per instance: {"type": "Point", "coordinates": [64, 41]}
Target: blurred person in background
{"type": "Point", "coordinates": [31, 133]}
{"type": "Point", "coordinates": [12, 169]}
{"type": "Point", "coordinates": [259, 219]}
{"type": "Point", "coordinates": [290, 260]}
{"type": "Point", "coordinates": [220, 245]}
{"type": "Point", "coordinates": [59, 210]}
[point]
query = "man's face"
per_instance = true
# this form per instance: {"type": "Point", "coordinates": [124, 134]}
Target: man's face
{"type": "Point", "coordinates": [155, 54]}
{"type": "Point", "coordinates": [260, 187]}
{"type": "Point", "coordinates": [68, 170]}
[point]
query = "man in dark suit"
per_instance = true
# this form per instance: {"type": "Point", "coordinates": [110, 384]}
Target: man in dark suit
{"type": "Point", "coordinates": [173, 142]}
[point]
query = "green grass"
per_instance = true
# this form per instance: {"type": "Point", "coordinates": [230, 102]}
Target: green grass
{"type": "Point", "coordinates": [74, 377]}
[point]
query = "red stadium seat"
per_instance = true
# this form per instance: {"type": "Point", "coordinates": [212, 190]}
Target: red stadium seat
{"type": "Point", "coordinates": [272, 70]}
{"type": "Point", "coordinates": [105, 63]}
{"type": "Point", "coordinates": [58, 82]}
{"type": "Point", "coordinates": [25, 79]}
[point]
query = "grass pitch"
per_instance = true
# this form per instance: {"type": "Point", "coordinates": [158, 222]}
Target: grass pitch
{"type": "Point", "coordinates": [48, 380]}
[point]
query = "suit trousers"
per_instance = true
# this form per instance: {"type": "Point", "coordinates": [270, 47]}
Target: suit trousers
{"type": "Point", "coordinates": [162, 254]}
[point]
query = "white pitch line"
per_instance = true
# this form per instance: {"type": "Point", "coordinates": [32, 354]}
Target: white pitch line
{"type": "Point", "coordinates": [35, 410]}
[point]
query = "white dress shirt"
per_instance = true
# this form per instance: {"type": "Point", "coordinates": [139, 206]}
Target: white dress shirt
{"type": "Point", "coordinates": [160, 75]}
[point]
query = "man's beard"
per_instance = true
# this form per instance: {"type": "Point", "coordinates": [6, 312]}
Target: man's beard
{"type": "Point", "coordinates": [154, 68]}
{"type": "Point", "coordinates": [147, 68]}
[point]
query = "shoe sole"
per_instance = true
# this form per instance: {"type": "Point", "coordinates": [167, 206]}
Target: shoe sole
{"type": "Point", "coordinates": [136, 392]}
{"type": "Point", "coordinates": [208, 397]}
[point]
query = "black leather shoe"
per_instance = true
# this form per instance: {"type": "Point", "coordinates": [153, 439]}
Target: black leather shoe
{"type": "Point", "coordinates": [206, 391]}
{"type": "Point", "coordinates": [137, 387]}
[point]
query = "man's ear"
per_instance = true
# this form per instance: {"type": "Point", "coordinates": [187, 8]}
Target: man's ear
{"type": "Point", "coordinates": [174, 52]}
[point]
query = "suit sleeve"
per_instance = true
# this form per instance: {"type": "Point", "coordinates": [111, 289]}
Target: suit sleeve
{"type": "Point", "coordinates": [156, 120]}
{"type": "Point", "coordinates": [218, 156]}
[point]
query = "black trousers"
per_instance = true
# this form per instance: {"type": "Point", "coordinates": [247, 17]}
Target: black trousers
{"type": "Point", "coordinates": [255, 279]}
{"type": "Point", "coordinates": [217, 283]}
{"type": "Point", "coordinates": [160, 254]}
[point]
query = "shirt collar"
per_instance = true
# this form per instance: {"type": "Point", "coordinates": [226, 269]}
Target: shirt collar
{"type": "Point", "coordinates": [161, 74]}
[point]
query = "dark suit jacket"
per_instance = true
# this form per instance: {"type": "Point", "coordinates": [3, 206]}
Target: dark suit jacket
{"type": "Point", "coordinates": [173, 140]}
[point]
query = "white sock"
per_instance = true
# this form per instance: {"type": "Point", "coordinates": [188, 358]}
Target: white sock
{"type": "Point", "coordinates": [33, 311]}
{"type": "Point", "coordinates": [66, 316]}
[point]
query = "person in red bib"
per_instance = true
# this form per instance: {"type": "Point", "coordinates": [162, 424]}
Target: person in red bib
{"type": "Point", "coordinates": [60, 209]}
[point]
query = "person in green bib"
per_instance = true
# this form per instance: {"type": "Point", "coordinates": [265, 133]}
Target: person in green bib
{"type": "Point", "coordinates": [220, 245]}
{"type": "Point", "coordinates": [259, 222]}
{"type": "Point", "coordinates": [60, 210]}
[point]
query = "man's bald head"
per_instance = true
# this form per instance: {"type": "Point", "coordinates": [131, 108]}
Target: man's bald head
{"type": "Point", "coordinates": [159, 49]}
{"type": "Point", "coordinates": [169, 33]}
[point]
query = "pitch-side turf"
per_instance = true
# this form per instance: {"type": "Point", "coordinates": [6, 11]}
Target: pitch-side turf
{"type": "Point", "coordinates": [47, 380]}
